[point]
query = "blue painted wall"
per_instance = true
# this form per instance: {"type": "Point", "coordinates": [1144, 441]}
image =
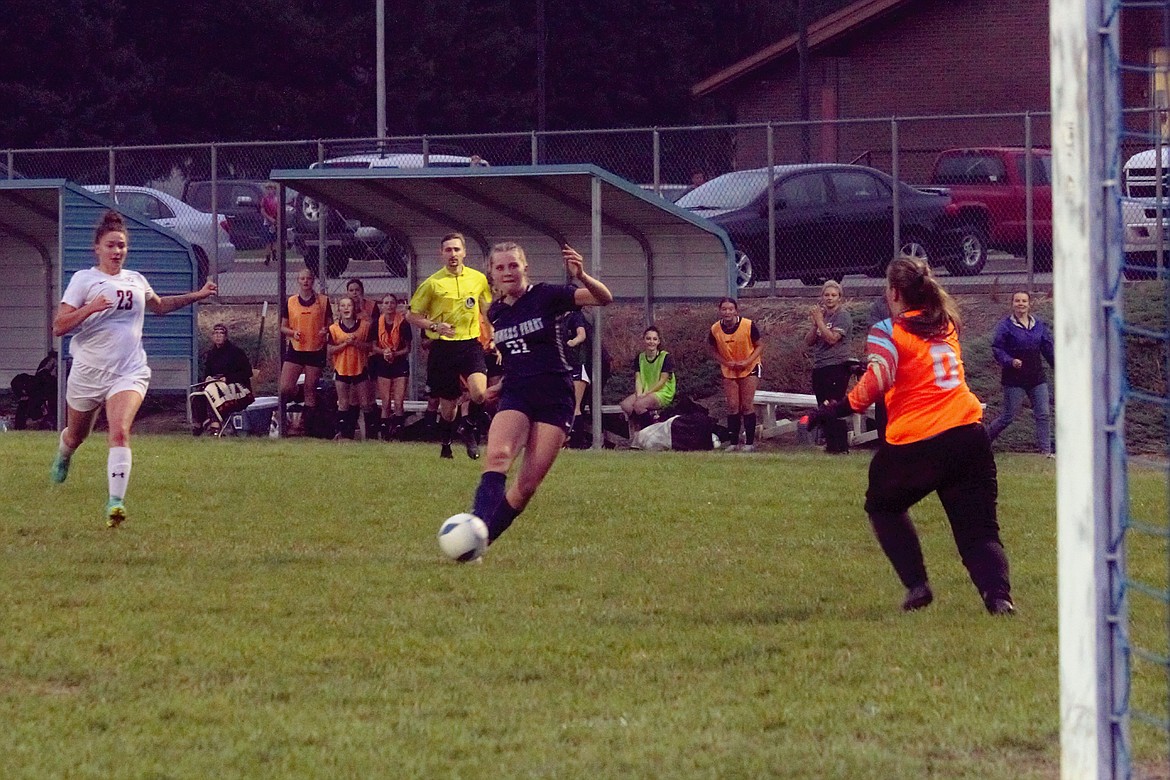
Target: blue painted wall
{"type": "Point", "coordinates": [162, 257]}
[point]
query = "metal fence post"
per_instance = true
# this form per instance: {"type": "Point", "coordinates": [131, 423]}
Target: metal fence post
{"type": "Point", "coordinates": [426, 151]}
{"type": "Point", "coordinates": [534, 148]}
{"type": "Point", "coordinates": [11, 162]}
{"type": "Point", "coordinates": [897, 202]}
{"type": "Point", "coordinates": [771, 214]}
{"type": "Point", "coordinates": [656, 162]}
{"type": "Point", "coordinates": [113, 176]}
{"type": "Point", "coordinates": [322, 218]}
{"type": "Point", "coordinates": [215, 213]}
{"type": "Point", "coordinates": [595, 266]}
{"type": "Point", "coordinates": [1029, 220]}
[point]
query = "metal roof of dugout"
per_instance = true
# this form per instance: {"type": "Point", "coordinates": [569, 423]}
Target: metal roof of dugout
{"type": "Point", "coordinates": [46, 234]}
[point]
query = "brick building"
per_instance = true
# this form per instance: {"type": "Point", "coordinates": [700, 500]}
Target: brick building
{"type": "Point", "coordinates": [904, 58]}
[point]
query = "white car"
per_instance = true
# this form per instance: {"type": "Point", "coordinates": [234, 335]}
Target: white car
{"type": "Point", "coordinates": [206, 233]}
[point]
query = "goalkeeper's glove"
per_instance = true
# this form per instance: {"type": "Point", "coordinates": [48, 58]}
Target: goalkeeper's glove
{"type": "Point", "coordinates": [830, 411]}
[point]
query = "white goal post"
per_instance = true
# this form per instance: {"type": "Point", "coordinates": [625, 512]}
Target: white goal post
{"type": "Point", "coordinates": [1090, 472]}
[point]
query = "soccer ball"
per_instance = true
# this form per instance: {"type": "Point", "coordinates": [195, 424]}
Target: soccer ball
{"type": "Point", "coordinates": [463, 537]}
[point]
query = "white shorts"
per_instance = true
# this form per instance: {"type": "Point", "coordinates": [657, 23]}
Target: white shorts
{"type": "Point", "coordinates": [88, 388]}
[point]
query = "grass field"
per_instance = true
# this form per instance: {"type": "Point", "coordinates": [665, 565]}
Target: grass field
{"type": "Point", "coordinates": [280, 609]}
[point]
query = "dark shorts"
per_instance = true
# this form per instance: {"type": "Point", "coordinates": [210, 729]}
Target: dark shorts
{"type": "Point", "coordinates": [492, 364]}
{"type": "Point", "coordinates": [356, 379]}
{"type": "Point", "coordinates": [451, 360]}
{"type": "Point", "coordinates": [957, 463]}
{"type": "Point", "coordinates": [314, 359]}
{"type": "Point", "coordinates": [545, 398]}
{"type": "Point", "coordinates": [380, 369]}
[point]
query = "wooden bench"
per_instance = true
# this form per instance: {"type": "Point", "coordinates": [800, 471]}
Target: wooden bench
{"type": "Point", "coordinates": [421, 406]}
{"type": "Point", "coordinates": [770, 424]}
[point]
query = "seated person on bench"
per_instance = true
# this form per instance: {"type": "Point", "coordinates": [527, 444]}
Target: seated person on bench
{"type": "Point", "coordinates": [227, 387]}
{"type": "Point", "coordinates": [654, 382]}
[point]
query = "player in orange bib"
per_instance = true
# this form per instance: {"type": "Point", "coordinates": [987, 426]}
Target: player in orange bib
{"type": "Point", "coordinates": [935, 439]}
{"type": "Point", "coordinates": [736, 345]}
{"type": "Point", "coordinates": [366, 309]}
{"type": "Point", "coordinates": [349, 349]}
{"type": "Point", "coordinates": [304, 320]}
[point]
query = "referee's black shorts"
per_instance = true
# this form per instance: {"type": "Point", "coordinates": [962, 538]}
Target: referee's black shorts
{"type": "Point", "coordinates": [451, 360]}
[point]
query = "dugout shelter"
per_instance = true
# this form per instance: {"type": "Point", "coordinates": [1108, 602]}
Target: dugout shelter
{"type": "Point", "coordinates": [46, 234]}
{"type": "Point", "coordinates": [649, 249]}
{"type": "Point", "coordinates": [645, 248]}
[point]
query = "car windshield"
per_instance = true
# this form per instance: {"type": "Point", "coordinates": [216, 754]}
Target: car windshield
{"type": "Point", "coordinates": [729, 191]}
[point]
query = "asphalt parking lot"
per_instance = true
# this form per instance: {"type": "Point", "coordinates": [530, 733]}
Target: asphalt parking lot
{"type": "Point", "coordinates": [250, 281]}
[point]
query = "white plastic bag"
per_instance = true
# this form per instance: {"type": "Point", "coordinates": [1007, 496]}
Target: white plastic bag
{"type": "Point", "coordinates": [653, 437]}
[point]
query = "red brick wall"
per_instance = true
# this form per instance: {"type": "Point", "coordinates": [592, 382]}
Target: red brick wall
{"type": "Point", "coordinates": [932, 57]}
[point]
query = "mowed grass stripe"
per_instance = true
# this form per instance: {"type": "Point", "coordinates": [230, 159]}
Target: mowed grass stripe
{"type": "Point", "coordinates": [281, 609]}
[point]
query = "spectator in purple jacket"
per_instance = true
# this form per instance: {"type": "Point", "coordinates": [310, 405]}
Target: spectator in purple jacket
{"type": "Point", "coordinates": [1021, 345]}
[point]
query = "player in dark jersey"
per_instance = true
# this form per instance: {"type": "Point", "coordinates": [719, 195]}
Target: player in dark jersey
{"type": "Point", "coordinates": [535, 396]}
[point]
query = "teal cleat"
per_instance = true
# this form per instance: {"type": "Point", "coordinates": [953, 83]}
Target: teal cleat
{"type": "Point", "coordinates": [59, 470]}
{"type": "Point", "coordinates": [115, 512]}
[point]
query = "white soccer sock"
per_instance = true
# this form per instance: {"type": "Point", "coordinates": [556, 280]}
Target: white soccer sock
{"type": "Point", "coordinates": [63, 448]}
{"type": "Point", "coordinates": [118, 467]}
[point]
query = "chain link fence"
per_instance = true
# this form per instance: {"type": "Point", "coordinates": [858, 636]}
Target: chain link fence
{"type": "Point", "coordinates": [789, 223]}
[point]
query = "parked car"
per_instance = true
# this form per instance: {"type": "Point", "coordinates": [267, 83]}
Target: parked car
{"type": "Point", "coordinates": [989, 186]}
{"type": "Point", "coordinates": [833, 220]}
{"type": "Point", "coordinates": [348, 239]}
{"type": "Point", "coordinates": [238, 200]}
{"type": "Point", "coordinates": [670, 192]}
{"type": "Point", "coordinates": [206, 233]}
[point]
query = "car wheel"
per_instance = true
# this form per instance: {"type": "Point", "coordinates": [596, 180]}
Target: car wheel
{"type": "Point", "coordinates": [308, 212]}
{"type": "Point", "coordinates": [395, 256]}
{"type": "Point", "coordinates": [202, 267]}
{"type": "Point", "coordinates": [745, 271]}
{"type": "Point", "coordinates": [972, 254]}
{"type": "Point", "coordinates": [914, 247]}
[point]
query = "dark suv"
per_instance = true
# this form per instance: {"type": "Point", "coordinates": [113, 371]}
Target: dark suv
{"type": "Point", "coordinates": [239, 201]}
{"type": "Point", "coordinates": [832, 220]}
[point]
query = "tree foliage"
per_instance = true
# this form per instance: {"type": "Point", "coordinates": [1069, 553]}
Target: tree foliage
{"type": "Point", "coordinates": [118, 72]}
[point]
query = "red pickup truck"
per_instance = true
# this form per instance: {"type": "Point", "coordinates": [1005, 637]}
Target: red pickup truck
{"type": "Point", "coordinates": [988, 186]}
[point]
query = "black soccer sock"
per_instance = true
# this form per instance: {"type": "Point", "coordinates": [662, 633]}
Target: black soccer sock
{"type": "Point", "coordinates": [749, 428]}
{"type": "Point", "coordinates": [373, 423]}
{"type": "Point", "coordinates": [899, 541]}
{"type": "Point", "coordinates": [733, 423]}
{"type": "Point", "coordinates": [445, 427]}
{"type": "Point", "coordinates": [475, 417]}
{"type": "Point", "coordinates": [502, 518]}
{"type": "Point", "coordinates": [489, 494]}
{"type": "Point", "coordinates": [309, 420]}
{"type": "Point", "coordinates": [347, 422]}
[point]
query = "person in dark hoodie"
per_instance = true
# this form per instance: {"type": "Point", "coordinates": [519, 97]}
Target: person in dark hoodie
{"type": "Point", "coordinates": [227, 382]}
{"type": "Point", "coordinates": [1020, 345]}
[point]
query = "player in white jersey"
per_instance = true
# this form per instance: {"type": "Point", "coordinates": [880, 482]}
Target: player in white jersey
{"type": "Point", "coordinates": [104, 307]}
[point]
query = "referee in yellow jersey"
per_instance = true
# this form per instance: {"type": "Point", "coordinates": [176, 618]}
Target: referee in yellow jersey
{"type": "Point", "coordinates": [446, 309]}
